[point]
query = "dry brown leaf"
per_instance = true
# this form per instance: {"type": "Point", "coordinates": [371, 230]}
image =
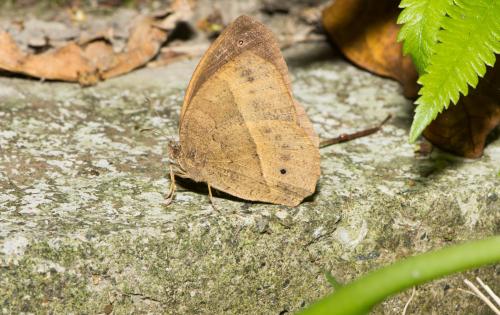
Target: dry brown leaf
{"type": "Point", "coordinates": [144, 43]}
{"type": "Point", "coordinates": [275, 7]}
{"type": "Point", "coordinates": [463, 128]}
{"type": "Point", "coordinates": [167, 57]}
{"type": "Point", "coordinates": [146, 38]}
{"type": "Point", "coordinates": [86, 38]}
{"type": "Point", "coordinates": [172, 54]}
{"type": "Point", "coordinates": [366, 31]}
{"type": "Point", "coordinates": [92, 58]}
{"type": "Point", "coordinates": [10, 55]}
{"type": "Point", "coordinates": [66, 63]}
{"type": "Point", "coordinates": [100, 53]}
{"type": "Point", "coordinates": [212, 24]}
{"type": "Point", "coordinates": [41, 34]}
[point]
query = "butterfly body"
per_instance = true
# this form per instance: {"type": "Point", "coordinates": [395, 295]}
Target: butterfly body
{"type": "Point", "coordinates": [241, 130]}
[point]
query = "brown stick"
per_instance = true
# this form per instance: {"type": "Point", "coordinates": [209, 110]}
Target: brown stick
{"type": "Point", "coordinates": [351, 136]}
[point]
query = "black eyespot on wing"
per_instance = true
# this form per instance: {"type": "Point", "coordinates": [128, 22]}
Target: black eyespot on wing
{"type": "Point", "coordinates": [283, 171]}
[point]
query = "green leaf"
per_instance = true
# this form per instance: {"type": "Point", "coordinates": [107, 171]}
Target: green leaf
{"type": "Point", "coordinates": [468, 41]}
{"type": "Point", "coordinates": [359, 296]}
{"type": "Point", "coordinates": [422, 20]}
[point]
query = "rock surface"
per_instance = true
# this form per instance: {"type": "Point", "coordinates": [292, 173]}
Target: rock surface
{"type": "Point", "coordinates": [84, 229]}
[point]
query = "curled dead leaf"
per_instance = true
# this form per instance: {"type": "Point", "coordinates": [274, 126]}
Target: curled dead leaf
{"type": "Point", "coordinates": [144, 43]}
{"type": "Point", "coordinates": [463, 128]}
{"type": "Point", "coordinates": [93, 58]}
{"type": "Point", "coordinates": [175, 53]}
{"type": "Point", "coordinates": [366, 31]}
{"type": "Point", "coordinates": [67, 63]}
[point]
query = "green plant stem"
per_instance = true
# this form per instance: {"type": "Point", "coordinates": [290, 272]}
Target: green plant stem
{"type": "Point", "coordinates": [361, 295]}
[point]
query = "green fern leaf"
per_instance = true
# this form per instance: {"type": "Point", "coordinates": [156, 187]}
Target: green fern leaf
{"type": "Point", "coordinates": [422, 20]}
{"type": "Point", "coordinates": [468, 41]}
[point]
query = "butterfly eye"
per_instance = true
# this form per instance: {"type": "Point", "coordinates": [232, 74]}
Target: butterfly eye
{"type": "Point", "coordinates": [283, 171]}
{"type": "Point", "coordinates": [240, 42]}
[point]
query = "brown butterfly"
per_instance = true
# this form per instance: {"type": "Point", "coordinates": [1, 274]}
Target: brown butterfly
{"type": "Point", "coordinates": [241, 131]}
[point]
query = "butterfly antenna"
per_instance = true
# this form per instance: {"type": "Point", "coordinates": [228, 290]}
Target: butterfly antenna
{"type": "Point", "coordinates": [156, 131]}
{"type": "Point", "coordinates": [351, 136]}
{"type": "Point", "coordinates": [148, 101]}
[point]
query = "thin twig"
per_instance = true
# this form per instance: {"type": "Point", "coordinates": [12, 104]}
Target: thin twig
{"type": "Point", "coordinates": [480, 295]}
{"type": "Point", "coordinates": [489, 291]}
{"type": "Point", "coordinates": [307, 38]}
{"type": "Point", "coordinates": [348, 137]}
{"type": "Point", "coordinates": [466, 291]}
{"type": "Point", "coordinates": [409, 300]}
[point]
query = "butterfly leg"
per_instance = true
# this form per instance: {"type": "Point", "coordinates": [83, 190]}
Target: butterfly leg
{"type": "Point", "coordinates": [171, 191]}
{"type": "Point", "coordinates": [211, 197]}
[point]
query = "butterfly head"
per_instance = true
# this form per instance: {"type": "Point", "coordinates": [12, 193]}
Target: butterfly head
{"type": "Point", "coordinates": [174, 156]}
{"type": "Point", "coordinates": [174, 150]}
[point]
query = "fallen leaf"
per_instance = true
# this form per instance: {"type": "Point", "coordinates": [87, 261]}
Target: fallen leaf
{"type": "Point", "coordinates": [311, 15]}
{"type": "Point", "coordinates": [175, 53]}
{"type": "Point", "coordinates": [212, 24]}
{"type": "Point", "coordinates": [144, 43]}
{"type": "Point", "coordinates": [275, 7]}
{"type": "Point", "coordinates": [35, 32]}
{"type": "Point", "coordinates": [100, 53]}
{"type": "Point", "coordinates": [167, 57]}
{"type": "Point", "coordinates": [464, 127]}
{"type": "Point", "coordinates": [10, 54]}
{"type": "Point", "coordinates": [66, 63]}
{"type": "Point", "coordinates": [422, 149]}
{"type": "Point", "coordinates": [92, 57]}
{"type": "Point", "coordinates": [39, 43]}
{"type": "Point", "coordinates": [366, 31]}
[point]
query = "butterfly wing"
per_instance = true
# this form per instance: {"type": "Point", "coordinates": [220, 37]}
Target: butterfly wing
{"type": "Point", "coordinates": [240, 133]}
{"type": "Point", "coordinates": [245, 34]}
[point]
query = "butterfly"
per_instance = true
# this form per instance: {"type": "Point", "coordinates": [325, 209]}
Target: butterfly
{"type": "Point", "coordinates": [240, 129]}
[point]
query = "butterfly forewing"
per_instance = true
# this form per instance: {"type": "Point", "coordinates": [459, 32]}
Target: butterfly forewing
{"type": "Point", "coordinates": [245, 34]}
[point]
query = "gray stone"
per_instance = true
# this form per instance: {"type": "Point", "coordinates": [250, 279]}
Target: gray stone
{"type": "Point", "coordinates": [84, 228]}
